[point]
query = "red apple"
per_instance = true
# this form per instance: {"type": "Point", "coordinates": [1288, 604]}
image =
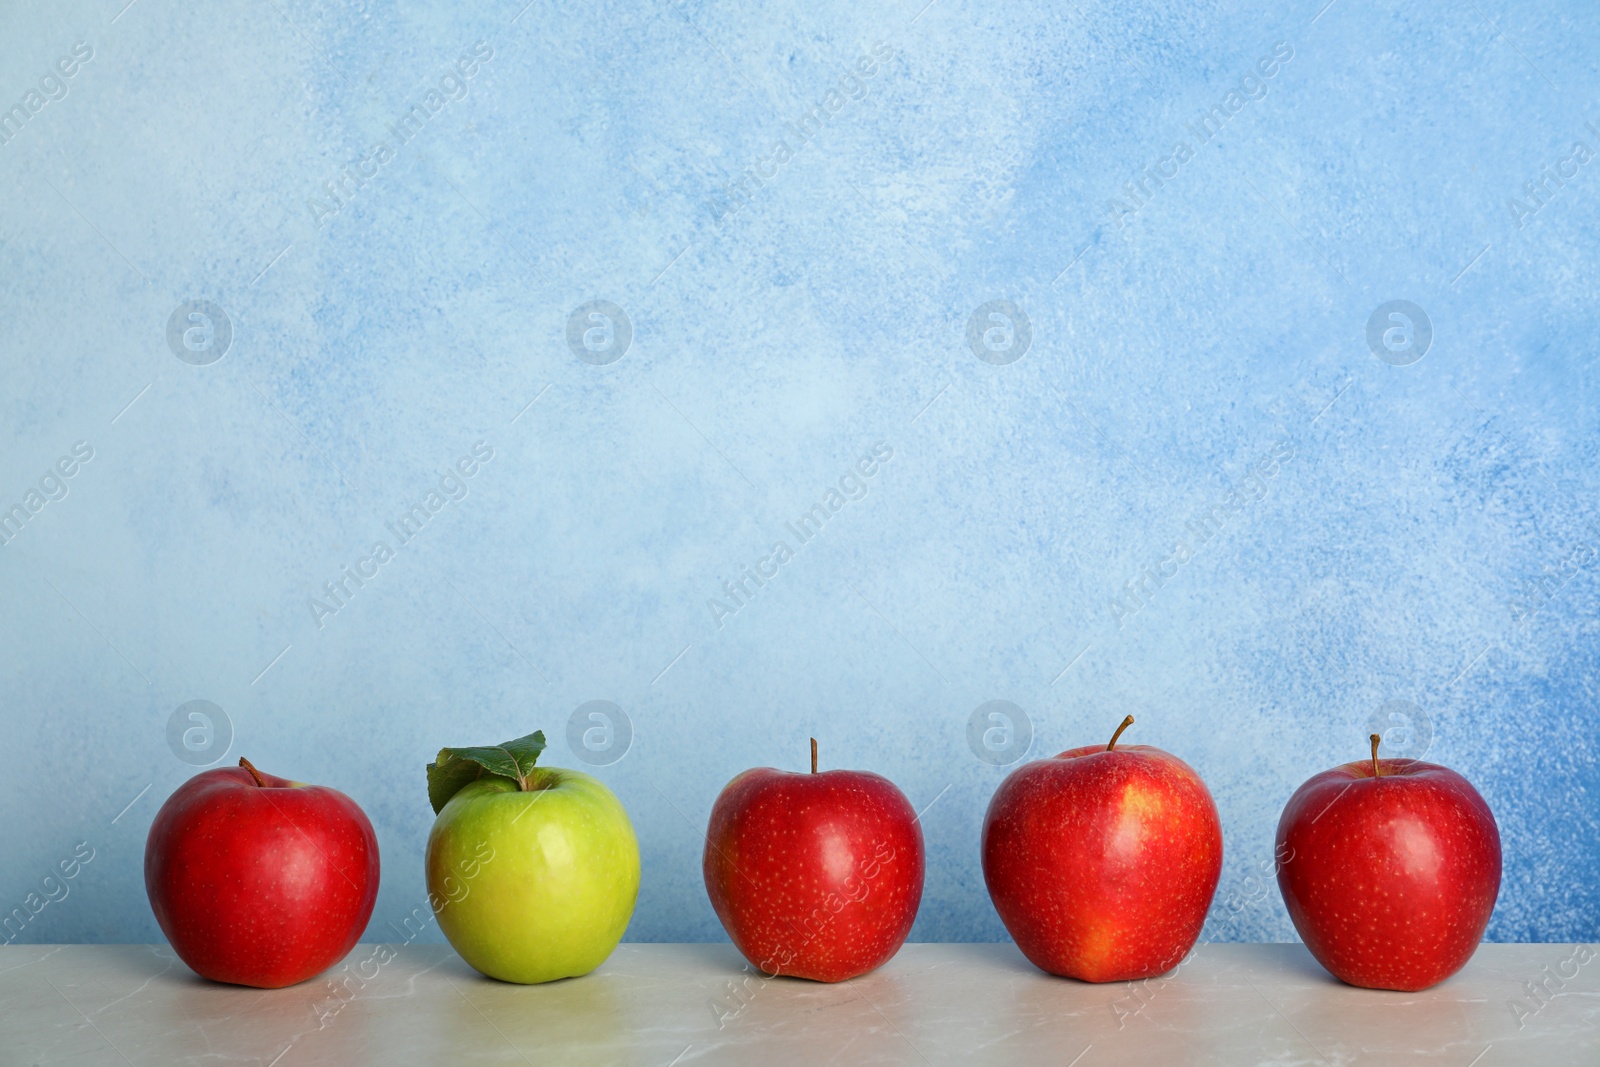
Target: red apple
{"type": "Point", "coordinates": [257, 880]}
{"type": "Point", "coordinates": [1390, 870]}
{"type": "Point", "coordinates": [1102, 861]}
{"type": "Point", "coordinates": [814, 875]}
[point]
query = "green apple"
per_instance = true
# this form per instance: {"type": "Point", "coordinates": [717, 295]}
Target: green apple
{"type": "Point", "coordinates": [532, 871]}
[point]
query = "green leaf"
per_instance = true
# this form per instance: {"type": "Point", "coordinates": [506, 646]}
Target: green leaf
{"type": "Point", "coordinates": [457, 767]}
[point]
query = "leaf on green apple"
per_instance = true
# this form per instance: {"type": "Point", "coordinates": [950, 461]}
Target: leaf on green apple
{"type": "Point", "coordinates": [457, 767]}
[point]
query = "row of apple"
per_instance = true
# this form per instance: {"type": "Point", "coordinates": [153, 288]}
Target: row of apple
{"type": "Point", "coordinates": [1102, 863]}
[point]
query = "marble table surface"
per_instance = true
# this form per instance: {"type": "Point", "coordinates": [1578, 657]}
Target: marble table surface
{"type": "Point", "coordinates": [696, 1004]}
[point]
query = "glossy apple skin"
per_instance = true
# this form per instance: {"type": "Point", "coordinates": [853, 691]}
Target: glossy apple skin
{"type": "Point", "coordinates": [1101, 864]}
{"type": "Point", "coordinates": [260, 886]}
{"type": "Point", "coordinates": [814, 875]}
{"type": "Point", "coordinates": [533, 886]}
{"type": "Point", "coordinates": [1389, 880]}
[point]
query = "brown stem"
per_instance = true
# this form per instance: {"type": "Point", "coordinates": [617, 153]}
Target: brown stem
{"type": "Point", "coordinates": [1375, 739]}
{"type": "Point", "coordinates": [1127, 721]}
{"type": "Point", "coordinates": [813, 755]}
{"type": "Point", "coordinates": [247, 765]}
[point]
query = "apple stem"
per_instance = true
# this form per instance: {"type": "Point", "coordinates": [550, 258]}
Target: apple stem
{"type": "Point", "coordinates": [813, 755]}
{"type": "Point", "coordinates": [247, 765]}
{"type": "Point", "coordinates": [1127, 721]}
{"type": "Point", "coordinates": [1375, 739]}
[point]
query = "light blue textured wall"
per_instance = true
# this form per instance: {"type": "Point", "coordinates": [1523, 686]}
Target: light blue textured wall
{"type": "Point", "coordinates": [1430, 538]}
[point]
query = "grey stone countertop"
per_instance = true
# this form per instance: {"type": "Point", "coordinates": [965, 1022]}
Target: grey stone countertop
{"type": "Point", "coordinates": [697, 1004]}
